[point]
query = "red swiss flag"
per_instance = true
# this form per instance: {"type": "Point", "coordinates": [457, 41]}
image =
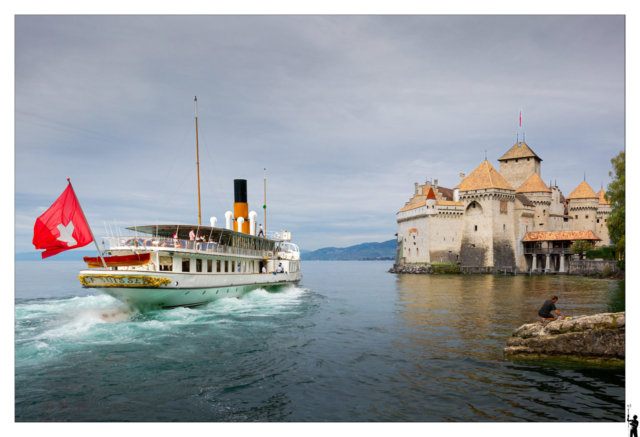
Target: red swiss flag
{"type": "Point", "coordinates": [62, 227]}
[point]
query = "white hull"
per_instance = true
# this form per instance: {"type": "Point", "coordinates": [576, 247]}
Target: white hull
{"type": "Point", "coordinates": [165, 289]}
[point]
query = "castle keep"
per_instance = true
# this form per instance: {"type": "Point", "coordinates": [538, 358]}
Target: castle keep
{"type": "Point", "coordinates": [503, 219]}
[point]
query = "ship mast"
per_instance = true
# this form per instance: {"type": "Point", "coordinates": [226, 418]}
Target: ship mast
{"type": "Point", "coordinates": [198, 164]}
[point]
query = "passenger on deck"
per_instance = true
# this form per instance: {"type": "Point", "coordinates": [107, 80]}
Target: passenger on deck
{"type": "Point", "coordinates": [264, 269]}
{"type": "Point", "coordinates": [192, 235]}
{"type": "Point", "coordinates": [260, 232]}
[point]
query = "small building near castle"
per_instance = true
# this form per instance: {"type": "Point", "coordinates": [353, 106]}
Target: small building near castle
{"type": "Point", "coordinates": [503, 219]}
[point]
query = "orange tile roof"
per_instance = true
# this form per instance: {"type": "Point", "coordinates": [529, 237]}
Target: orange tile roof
{"type": "Point", "coordinates": [519, 150]}
{"type": "Point", "coordinates": [533, 185]}
{"type": "Point", "coordinates": [484, 176]}
{"type": "Point", "coordinates": [583, 191]}
{"type": "Point", "coordinates": [602, 200]}
{"type": "Point", "coordinates": [416, 201]}
{"type": "Point", "coordinates": [448, 203]}
{"type": "Point", "coordinates": [431, 194]}
{"type": "Point", "coordinates": [560, 236]}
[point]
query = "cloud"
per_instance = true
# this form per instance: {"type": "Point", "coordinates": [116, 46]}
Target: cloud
{"type": "Point", "coordinates": [345, 112]}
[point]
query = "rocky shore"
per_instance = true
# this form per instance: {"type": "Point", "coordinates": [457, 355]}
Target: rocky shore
{"type": "Point", "coordinates": [424, 269]}
{"type": "Point", "coordinates": [595, 336]}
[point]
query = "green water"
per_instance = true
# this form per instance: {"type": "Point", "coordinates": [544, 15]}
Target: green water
{"type": "Point", "coordinates": [351, 343]}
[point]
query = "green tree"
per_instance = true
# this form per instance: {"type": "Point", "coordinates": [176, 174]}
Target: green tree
{"type": "Point", "coordinates": [581, 246]}
{"type": "Point", "coordinates": [615, 195]}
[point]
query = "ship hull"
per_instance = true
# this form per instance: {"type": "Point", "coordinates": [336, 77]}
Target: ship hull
{"type": "Point", "coordinates": [153, 290]}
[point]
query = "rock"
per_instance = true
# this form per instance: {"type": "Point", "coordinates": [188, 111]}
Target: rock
{"type": "Point", "coordinates": [598, 335]}
{"type": "Point", "coordinates": [419, 269]}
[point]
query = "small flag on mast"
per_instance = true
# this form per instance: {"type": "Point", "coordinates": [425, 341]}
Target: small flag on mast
{"type": "Point", "coordinates": [521, 118]}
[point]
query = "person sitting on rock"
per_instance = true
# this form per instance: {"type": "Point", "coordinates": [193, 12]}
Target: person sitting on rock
{"type": "Point", "coordinates": [547, 307]}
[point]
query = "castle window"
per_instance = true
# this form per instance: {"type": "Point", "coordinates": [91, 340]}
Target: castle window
{"type": "Point", "coordinates": [576, 217]}
{"type": "Point", "coordinates": [598, 221]}
{"type": "Point", "coordinates": [475, 228]}
{"type": "Point", "coordinates": [409, 252]}
{"type": "Point", "coordinates": [527, 159]}
{"type": "Point", "coordinates": [516, 160]}
{"type": "Point", "coordinates": [544, 211]}
{"type": "Point", "coordinates": [473, 245]}
{"type": "Point", "coordinates": [473, 204]}
{"type": "Point", "coordinates": [417, 252]}
{"type": "Point", "coordinates": [605, 220]}
{"type": "Point", "coordinates": [586, 216]}
{"type": "Point", "coordinates": [504, 227]}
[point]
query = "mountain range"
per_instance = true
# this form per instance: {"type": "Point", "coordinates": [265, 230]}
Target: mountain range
{"type": "Point", "coordinates": [365, 251]}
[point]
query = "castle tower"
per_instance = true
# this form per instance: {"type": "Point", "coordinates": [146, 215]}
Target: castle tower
{"type": "Point", "coordinates": [540, 195]}
{"type": "Point", "coordinates": [431, 202]}
{"type": "Point", "coordinates": [583, 206]}
{"type": "Point", "coordinates": [602, 218]}
{"type": "Point", "coordinates": [488, 236]}
{"type": "Point", "coordinates": [519, 163]}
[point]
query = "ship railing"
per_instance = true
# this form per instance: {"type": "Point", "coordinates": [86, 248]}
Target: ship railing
{"type": "Point", "coordinates": [152, 244]}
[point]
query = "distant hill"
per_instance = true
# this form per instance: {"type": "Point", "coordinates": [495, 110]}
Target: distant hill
{"type": "Point", "coordinates": [69, 255]}
{"type": "Point", "coordinates": [365, 251]}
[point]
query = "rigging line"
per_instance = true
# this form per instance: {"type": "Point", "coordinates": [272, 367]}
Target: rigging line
{"type": "Point", "coordinates": [174, 161]}
{"type": "Point", "coordinates": [214, 167]}
{"type": "Point", "coordinates": [176, 190]}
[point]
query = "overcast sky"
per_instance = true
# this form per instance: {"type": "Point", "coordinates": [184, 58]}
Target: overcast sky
{"type": "Point", "coordinates": [345, 112]}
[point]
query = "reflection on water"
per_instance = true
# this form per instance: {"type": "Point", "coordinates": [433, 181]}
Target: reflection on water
{"type": "Point", "coordinates": [458, 326]}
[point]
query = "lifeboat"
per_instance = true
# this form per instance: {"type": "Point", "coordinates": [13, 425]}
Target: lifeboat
{"type": "Point", "coordinates": [140, 259]}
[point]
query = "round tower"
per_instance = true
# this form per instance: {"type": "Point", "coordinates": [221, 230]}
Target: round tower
{"type": "Point", "coordinates": [583, 206]}
{"type": "Point", "coordinates": [540, 195]}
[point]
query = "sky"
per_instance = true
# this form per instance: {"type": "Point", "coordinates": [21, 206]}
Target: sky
{"type": "Point", "coordinates": [344, 112]}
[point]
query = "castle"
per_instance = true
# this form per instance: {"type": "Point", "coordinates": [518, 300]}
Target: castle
{"type": "Point", "coordinates": [501, 219]}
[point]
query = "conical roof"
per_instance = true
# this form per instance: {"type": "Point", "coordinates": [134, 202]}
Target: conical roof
{"type": "Point", "coordinates": [519, 150]}
{"type": "Point", "coordinates": [533, 185]}
{"type": "Point", "coordinates": [602, 200]}
{"type": "Point", "coordinates": [484, 176]}
{"type": "Point", "coordinates": [431, 194]}
{"type": "Point", "coordinates": [583, 191]}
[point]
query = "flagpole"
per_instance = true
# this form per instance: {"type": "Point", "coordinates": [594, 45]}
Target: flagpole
{"type": "Point", "coordinates": [87, 222]}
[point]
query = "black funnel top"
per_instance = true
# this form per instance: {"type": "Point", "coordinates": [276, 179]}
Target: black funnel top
{"type": "Point", "coordinates": [240, 190]}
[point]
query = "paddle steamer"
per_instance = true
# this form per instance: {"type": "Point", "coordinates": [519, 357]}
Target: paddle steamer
{"type": "Point", "coordinates": [168, 268]}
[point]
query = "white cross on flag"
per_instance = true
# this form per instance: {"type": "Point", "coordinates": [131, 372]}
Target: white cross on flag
{"type": "Point", "coordinates": [62, 227]}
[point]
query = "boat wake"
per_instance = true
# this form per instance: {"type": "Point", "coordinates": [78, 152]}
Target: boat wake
{"type": "Point", "coordinates": [50, 328]}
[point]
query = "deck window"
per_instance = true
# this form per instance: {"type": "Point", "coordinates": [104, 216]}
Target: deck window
{"type": "Point", "coordinates": [186, 265]}
{"type": "Point", "coordinates": [198, 265]}
{"type": "Point", "coordinates": [218, 266]}
{"type": "Point", "coordinates": [233, 267]}
{"type": "Point", "coordinates": [226, 266]}
{"type": "Point", "coordinates": [209, 265]}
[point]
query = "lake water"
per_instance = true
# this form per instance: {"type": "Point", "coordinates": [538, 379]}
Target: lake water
{"type": "Point", "coordinates": [351, 343]}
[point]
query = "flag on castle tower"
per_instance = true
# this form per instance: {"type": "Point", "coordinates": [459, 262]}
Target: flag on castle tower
{"type": "Point", "coordinates": [521, 118]}
{"type": "Point", "coordinates": [62, 227]}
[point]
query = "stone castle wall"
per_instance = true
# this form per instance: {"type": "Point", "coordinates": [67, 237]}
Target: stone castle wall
{"type": "Point", "coordinates": [477, 232]}
{"type": "Point", "coordinates": [517, 172]}
{"type": "Point", "coordinates": [444, 238]}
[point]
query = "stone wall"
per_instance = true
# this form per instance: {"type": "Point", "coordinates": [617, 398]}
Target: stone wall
{"type": "Point", "coordinates": [416, 244]}
{"type": "Point", "coordinates": [591, 267]}
{"type": "Point", "coordinates": [598, 335]}
{"type": "Point", "coordinates": [517, 172]}
{"type": "Point", "coordinates": [445, 235]}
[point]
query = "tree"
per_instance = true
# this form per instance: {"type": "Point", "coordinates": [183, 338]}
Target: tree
{"type": "Point", "coordinates": [615, 195]}
{"type": "Point", "coordinates": [581, 246]}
